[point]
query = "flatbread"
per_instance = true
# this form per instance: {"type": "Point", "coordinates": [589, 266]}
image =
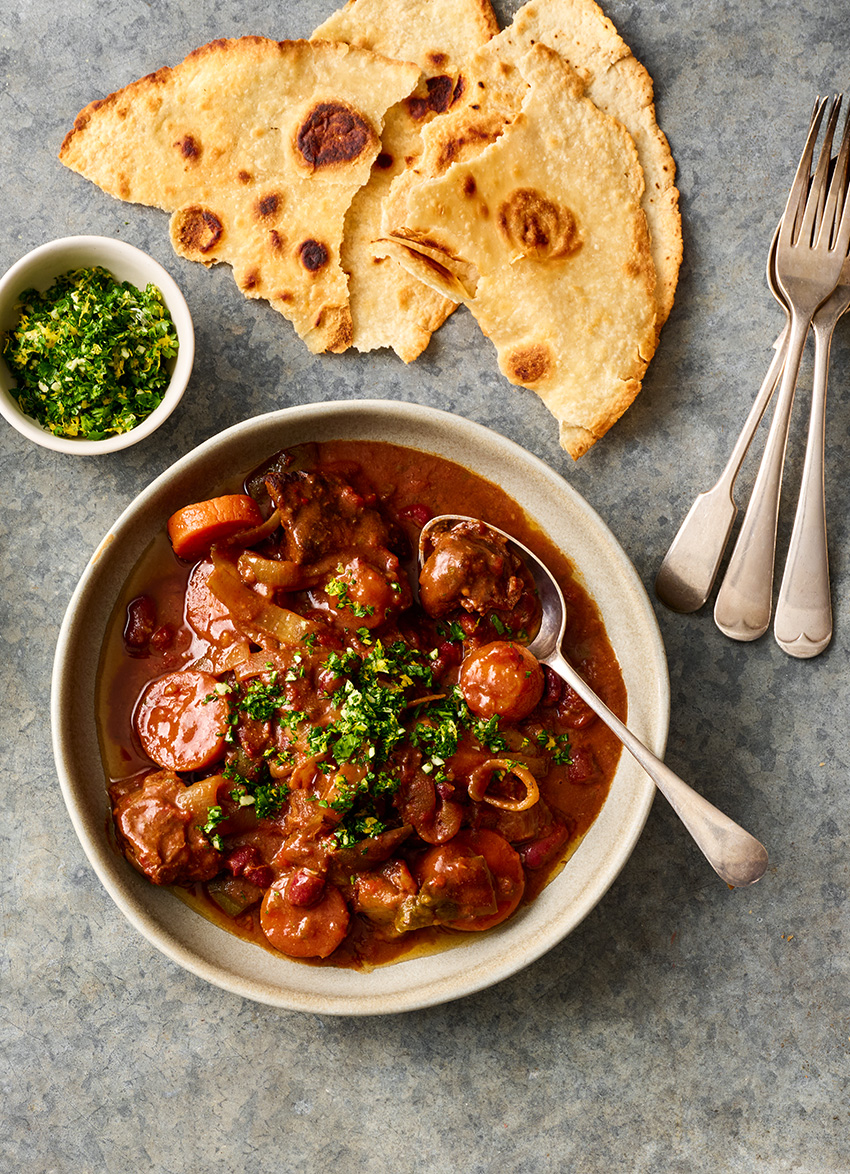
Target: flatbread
{"type": "Point", "coordinates": [543, 236]}
{"type": "Point", "coordinates": [389, 307]}
{"type": "Point", "coordinates": [257, 148]}
{"type": "Point", "coordinates": [615, 82]}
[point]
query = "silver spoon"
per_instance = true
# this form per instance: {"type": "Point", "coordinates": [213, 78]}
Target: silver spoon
{"type": "Point", "coordinates": [687, 574]}
{"type": "Point", "coordinates": [736, 856]}
{"type": "Point", "coordinates": [802, 625]}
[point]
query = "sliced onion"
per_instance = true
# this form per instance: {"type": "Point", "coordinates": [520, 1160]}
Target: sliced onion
{"type": "Point", "coordinates": [257, 664]}
{"type": "Point", "coordinates": [200, 797]}
{"type": "Point", "coordinates": [274, 572]}
{"type": "Point", "coordinates": [257, 533]}
{"type": "Point", "coordinates": [249, 611]}
{"type": "Point", "coordinates": [233, 656]}
{"type": "Point", "coordinates": [482, 777]}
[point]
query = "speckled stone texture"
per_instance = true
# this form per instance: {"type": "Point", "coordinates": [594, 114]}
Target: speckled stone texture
{"type": "Point", "coordinates": [682, 1026]}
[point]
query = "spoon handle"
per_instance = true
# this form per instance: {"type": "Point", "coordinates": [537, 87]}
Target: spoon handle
{"type": "Point", "coordinates": [686, 576]}
{"type": "Point", "coordinates": [803, 623]}
{"type": "Point", "coordinates": [736, 856]}
{"type": "Point", "coordinates": [745, 599]}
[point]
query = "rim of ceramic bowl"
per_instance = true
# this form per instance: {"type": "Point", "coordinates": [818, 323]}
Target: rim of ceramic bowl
{"type": "Point", "coordinates": [246, 969]}
{"type": "Point", "coordinates": [126, 262]}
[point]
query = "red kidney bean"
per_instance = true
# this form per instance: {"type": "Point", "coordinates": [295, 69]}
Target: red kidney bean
{"type": "Point", "coordinates": [582, 768]}
{"type": "Point", "coordinates": [162, 638]}
{"type": "Point", "coordinates": [554, 688]}
{"type": "Point", "coordinates": [417, 513]}
{"type": "Point", "coordinates": [574, 712]}
{"type": "Point", "coordinates": [141, 621]}
{"type": "Point", "coordinates": [260, 875]}
{"type": "Point", "coordinates": [537, 853]}
{"type": "Point", "coordinates": [305, 888]}
{"type": "Point", "coordinates": [241, 858]}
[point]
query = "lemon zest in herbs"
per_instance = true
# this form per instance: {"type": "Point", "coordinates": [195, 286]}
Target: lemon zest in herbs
{"type": "Point", "coordinates": [90, 354]}
{"type": "Point", "coordinates": [339, 588]}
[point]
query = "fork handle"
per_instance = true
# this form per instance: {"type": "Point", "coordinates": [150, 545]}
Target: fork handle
{"type": "Point", "coordinates": [743, 606]}
{"type": "Point", "coordinates": [803, 624]}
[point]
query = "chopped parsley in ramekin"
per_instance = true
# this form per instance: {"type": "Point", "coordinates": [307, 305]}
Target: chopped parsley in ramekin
{"type": "Point", "coordinates": [90, 355]}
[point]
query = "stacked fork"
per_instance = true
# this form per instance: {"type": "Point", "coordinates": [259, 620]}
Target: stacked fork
{"type": "Point", "coordinates": [809, 273]}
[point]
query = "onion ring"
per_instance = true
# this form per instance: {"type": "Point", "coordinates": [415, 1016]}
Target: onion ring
{"type": "Point", "coordinates": [483, 775]}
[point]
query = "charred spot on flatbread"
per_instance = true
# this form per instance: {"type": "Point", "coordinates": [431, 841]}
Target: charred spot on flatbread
{"type": "Point", "coordinates": [528, 364]}
{"type": "Point", "coordinates": [384, 161]}
{"type": "Point", "coordinates": [456, 146]}
{"type": "Point", "coordinates": [268, 205]}
{"type": "Point", "coordinates": [313, 255]}
{"type": "Point", "coordinates": [441, 94]}
{"type": "Point", "coordinates": [195, 231]}
{"type": "Point", "coordinates": [189, 148]}
{"type": "Point", "coordinates": [537, 226]}
{"type": "Point", "coordinates": [333, 134]}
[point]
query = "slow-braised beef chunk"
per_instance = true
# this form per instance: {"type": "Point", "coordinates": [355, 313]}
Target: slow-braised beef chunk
{"type": "Point", "coordinates": [471, 567]}
{"type": "Point", "coordinates": [321, 515]}
{"type": "Point", "coordinates": [161, 839]}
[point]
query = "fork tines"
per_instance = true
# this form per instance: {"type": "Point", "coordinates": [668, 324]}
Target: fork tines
{"type": "Point", "coordinates": [805, 219]}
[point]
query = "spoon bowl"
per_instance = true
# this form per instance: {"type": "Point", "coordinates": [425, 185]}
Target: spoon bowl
{"type": "Point", "coordinates": [736, 856]}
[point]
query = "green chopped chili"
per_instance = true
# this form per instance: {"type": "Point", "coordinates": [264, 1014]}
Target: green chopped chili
{"type": "Point", "coordinates": [90, 355]}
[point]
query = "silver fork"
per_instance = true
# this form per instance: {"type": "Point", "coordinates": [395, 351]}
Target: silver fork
{"type": "Point", "coordinates": [803, 623]}
{"type": "Point", "coordinates": [810, 253]}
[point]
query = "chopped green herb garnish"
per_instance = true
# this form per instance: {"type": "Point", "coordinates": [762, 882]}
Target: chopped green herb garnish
{"type": "Point", "coordinates": [558, 745]}
{"type": "Point", "coordinates": [342, 664]}
{"type": "Point", "coordinates": [90, 355]}
{"type": "Point", "coordinates": [487, 733]}
{"type": "Point", "coordinates": [339, 589]}
{"type": "Point", "coordinates": [261, 701]}
{"type": "Point", "coordinates": [214, 817]}
{"type": "Point", "coordinates": [266, 794]}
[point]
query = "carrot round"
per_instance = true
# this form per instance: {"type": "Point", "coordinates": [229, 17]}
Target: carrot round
{"type": "Point", "coordinates": [194, 528]}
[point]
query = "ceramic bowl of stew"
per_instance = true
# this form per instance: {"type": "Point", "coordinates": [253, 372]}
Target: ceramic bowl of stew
{"type": "Point", "coordinates": [542, 500]}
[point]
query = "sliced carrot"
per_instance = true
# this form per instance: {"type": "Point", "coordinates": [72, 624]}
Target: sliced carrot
{"type": "Point", "coordinates": [194, 528]}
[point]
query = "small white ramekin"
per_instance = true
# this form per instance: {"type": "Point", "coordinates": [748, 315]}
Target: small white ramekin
{"type": "Point", "coordinates": [38, 270]}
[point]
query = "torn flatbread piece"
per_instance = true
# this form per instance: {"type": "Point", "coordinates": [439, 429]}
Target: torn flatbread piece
{"type": "Point", "coordinates": [614, 80]}
{"type": "Point", "coordinates": [256, 147]}
{"type": "Point", "coordinates": [389, 307]}
{"type": "Point", "coordinates": [543, 236]}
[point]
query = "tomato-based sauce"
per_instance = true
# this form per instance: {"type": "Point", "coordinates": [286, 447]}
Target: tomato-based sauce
{"type": "Point", "coordinates": [329, 754]}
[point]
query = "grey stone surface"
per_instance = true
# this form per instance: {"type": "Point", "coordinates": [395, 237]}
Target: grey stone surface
{"type": "Point", "coordinates": [682, 1026]}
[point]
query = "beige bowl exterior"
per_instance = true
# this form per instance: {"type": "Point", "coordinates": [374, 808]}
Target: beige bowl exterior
{"type": "Point", "coordinates": [240, 966]}
{"type": "Point", "coordinates": [38, 270]}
